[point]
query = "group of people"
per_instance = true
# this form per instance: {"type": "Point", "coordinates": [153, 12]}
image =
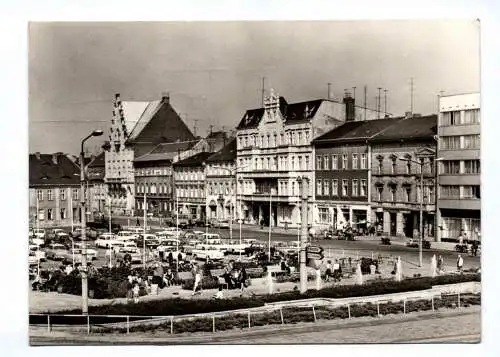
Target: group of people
{"type": "Point", "coordinates": [235, 277]}
{"type": "Point", "coordinates": [333, 271]}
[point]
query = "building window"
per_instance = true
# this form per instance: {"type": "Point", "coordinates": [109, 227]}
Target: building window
{"type": "Point", "coordinates": [319, 162]}
{"type": "Point", "coordinates": [450, 167]}
{"type": "Point", "coordinates": [63, 213]}
{"type": "Point", "coordinates": [393, 166]}
{"type": "Point", "coordinates": [451, 118]}
{"type": "Point", "coordinates": [335, 162]}
{"type": "Point", "coordinates": [49, 195]}
{"type": "Point", "coordinates": [473, 192]}
{"type": "Point", "coordinates": [471, 142]}
{"type": "Point", "coordinates": [307, 162]}
{"type": "Point", "coordinates": [354, 161]}
{"type": "Point", "coordinates": [326, 188]}
{"type": "Point", "coordinates": [364, 163]}
{"type": "Point", "coordinates": [450, 191]}
{"type": "Point", "coordinates": [393, 193]}
{"type": "Point", "coordinates": [75, 194]}
{"type": "Point", "coordinates": [39, 195]}
{"type": "Point", "coordinates": [471, 116]}
{"type": "Point", "coordinates": [380, 190]}
{"type": "Point", "coordinates": [326, 164]}
{"type": "Point", "coordinates": [472, 166]}
{"type": "Point", "coordinates": [62, 194]}
{"type": "Point", "coordinates": [354, 188]}
{"type": "Point", "coordinates": [408, 167]}
{"type": "Point", "coordinates": [323, 214]}
{"type": "Point", "coordinates": [335, 187]}
{"type": "Point", "coordinates": [380, 166]}
{"type": "Point", "coordinates": [430, 194]}
{"type": "Point", "coordinates": [50, 214]}
{"type": "Point", "coordinates": [299, 138]}
{"type": "Point", "coordinates": [450, 142]}
{"type": "Point", "coordinates": [363, 188]}
{"type": "Point", "coordinates": [344, 162]}
{"type": "Point", "coordinates": [407, 193]}
{"type": "Point", "coordinates": [299, 159]}
{"type": "Point", "coordinates": [345, 184]}
{"type": "Point", "coordinates": [319, 188]}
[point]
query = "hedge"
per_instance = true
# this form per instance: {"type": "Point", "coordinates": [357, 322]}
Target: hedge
{"type": "Point", "coordinates": [178, 306]}
{"type": "Point", "coordinates": [299, 315]}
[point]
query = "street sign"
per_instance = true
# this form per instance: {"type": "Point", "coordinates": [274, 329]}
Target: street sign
{"type": "Point", "coordinates": [314, 249]}
{"type": "Point", "coordinates": [315, 256]}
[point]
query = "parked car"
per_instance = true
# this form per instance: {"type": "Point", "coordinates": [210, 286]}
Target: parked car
{"type": "Point", "coordinates": [211, 253]}
{"type": "Point", "coordinates": [38, 241]}
{"type": "Point", "coordinates": [104, 225]}
{"type": "Point", "coordinates": [39, 254]}
{"type": "Point", "coordinates": [126, 235]}
{"type": "Point", "coordinates": [224, 223]}
{"type": "Point", "coordinates": [105, 240]}
{"type": "Point", "coordinates": [89, 233]}
{"type": "Point", "coordinates": [132, 253]}
{"type": "Point", "coordinates": [413, 243]}
{"type": "Point", "coordinates": [60, 234]}
{"type": "Point", "coordinates": [254, 248]}
{"type": "Point", "coordinates": [56, 251]}
{"type": "Point", "coordinates": [40, 233]}
{"type": "Point", "coordinates": [150, 240]}
{"type": "Point", "coordinates": [92, 253]}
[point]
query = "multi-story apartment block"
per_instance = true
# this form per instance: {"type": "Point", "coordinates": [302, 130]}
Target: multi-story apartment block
{"type": "Point", "coordinates": [154, 178]}
{"type": "Point", "coordinates": [189, 179]}
{"type": "Point", "coordinates": [342, 162]}
{"type": "Point", "coordinates": [274, 149]}
{"type": "Point", "coordinates": [459, 200]}
{"type": "Point", "coordinates": [221, 200]}
{"type": "Point", "coordinates": [136, 129]}
{"type": "Point", "coordinates": [54, 190]}
{"type": "Point", "coordinates": [396, 156]}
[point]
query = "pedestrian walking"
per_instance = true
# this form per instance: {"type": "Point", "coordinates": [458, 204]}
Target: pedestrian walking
{"type": "Point", "coordinates": [135, 291]}
{"type": "Point", "coordinates": [328, 272]}
{"type": "Point", "coordinates": [460, 263]}
{"type": "Point", "coordinates": [243, 279]}
{"type": "Point", "coordinates": [197, 277]}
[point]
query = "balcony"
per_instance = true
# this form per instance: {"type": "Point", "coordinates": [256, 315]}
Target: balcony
{"type": "Point", "coordinates": [411, 206]}
{"type": "Point", "coordinates": [460, 203]}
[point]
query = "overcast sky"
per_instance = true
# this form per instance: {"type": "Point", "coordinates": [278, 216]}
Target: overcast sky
{"type": "Point", "coordinates": [214, 71]}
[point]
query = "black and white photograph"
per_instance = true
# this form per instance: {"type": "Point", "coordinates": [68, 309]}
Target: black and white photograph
{"type": "Point", "coordinates": [254, 182]}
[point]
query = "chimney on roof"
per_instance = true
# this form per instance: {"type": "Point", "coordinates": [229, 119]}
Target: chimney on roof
{"type": "Point", "coordinates": [408, 115]}
{"type": "Point", "coordinates": [54, 158]}
{"type": "Point", "coordinates": [37, 154]}
{"type": "Point", "coordinates": [350, 108]}
{"type": "Point", "coordinates": [165, 97]}
{"type": "Point", "coordinates": [417, 115]}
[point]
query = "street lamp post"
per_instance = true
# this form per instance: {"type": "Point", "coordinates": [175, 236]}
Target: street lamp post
{"type": "Point", "coordinates": [303, 183]}
{"type": "Point", "coordinates": [240, 216]}
{"type": "Point", "coordinates": [85, 287]}
{"type": "Point", "coordinates": [421, 204]}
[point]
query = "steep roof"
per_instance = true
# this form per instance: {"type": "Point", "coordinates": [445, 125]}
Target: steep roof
{"type": "Point", "coordinates": [195, 160]}
{"type": "Point", "coordinates": [160, 125]}
{"type": "Point", "coordinates": [227, 153]}
{"type": "Point", "coordinates": [293, 113]}
{"type": "Point", "coordinates": [356, 130]}
{"type": "Point", "coordinates": [166, 151]}
{"type": "Point", "coordinates": [424, 127]}
{"type": "Point", "coordinates": [98, 161]}
{"type": "Point", "coordinates": [43, 171]}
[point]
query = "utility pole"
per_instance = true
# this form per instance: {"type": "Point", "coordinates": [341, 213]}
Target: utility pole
{"type": "Point", "coordinates": [376, 106]}
{"type": "Point", "coordinates": [144, 235]}
{"type": "Point", "coordinates": [354, 92]}
{"type": "Point", "coordinates": [303, 181]}
{"type": "Point", "coordinates": [365, 90]}
{"type": "Point", "coordinates": [379, 101]}
{"type": "Point", "coordinates": [195, 126]}
{"type": "Point", "coordinates": [329, 93]}
{"type": "Point", "coordinates": [263, 90]}
{"type": "Point", "coordinates": [411, 95]}
{"type": "Point", "coordinates": [385, 101]}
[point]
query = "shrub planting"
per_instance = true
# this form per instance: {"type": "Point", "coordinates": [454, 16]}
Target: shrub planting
{"type": "Point", "coordinates": [178, 306]}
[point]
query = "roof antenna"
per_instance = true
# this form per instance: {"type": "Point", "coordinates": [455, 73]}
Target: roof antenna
{"type": "Point", "coordinates": [365, 90]}
{"type": "Point", "coordinates": [379, 102]}
{"type": "Point", "coordinates": [263, 90]}
{"type": "Point", "coordinates": [329, 91]}
{"type": "Point", "coordinates": [195, 126]}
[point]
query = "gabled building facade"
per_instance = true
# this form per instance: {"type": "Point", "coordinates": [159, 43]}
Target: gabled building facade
{"type": "Point", "coordinates": [54, 190]}
{"type": "Point", "coordinates": [220, 169]}
{"type": "Point", "coordinates": [274, 149]}
{"type": "Point", "coordinates": [136, 129]}
{"type": "Point", "coordinates": [459, 203]}
{"type": "Point", "coordinates": [97, 189]}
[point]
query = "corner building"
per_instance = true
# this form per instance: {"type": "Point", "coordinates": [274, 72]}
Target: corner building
{"type": "Point", "coordinates": [459, 179]}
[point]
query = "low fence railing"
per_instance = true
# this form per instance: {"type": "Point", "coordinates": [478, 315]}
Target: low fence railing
{"type": "Point", "coordinates": [280, 313]}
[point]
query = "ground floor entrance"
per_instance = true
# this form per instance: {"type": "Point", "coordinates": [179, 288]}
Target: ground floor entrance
{"type": "Point", "coordinates": [405, 224]}
{"type": "Point", "coordinates": [279, 214]}
{"type": "Point", "coordinates": [455, 223]}
{"type": "Point", "coordinates": [339, 216]}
